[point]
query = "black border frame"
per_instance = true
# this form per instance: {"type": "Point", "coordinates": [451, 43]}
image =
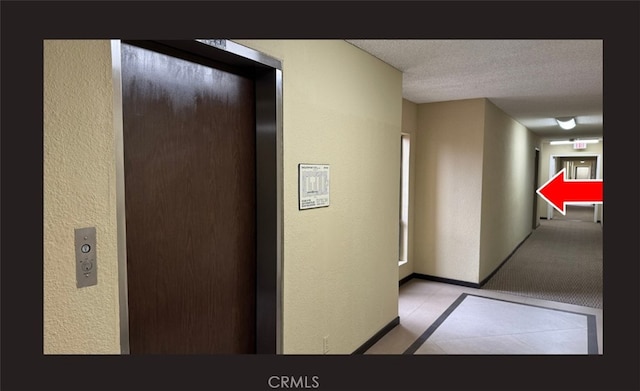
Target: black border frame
{"type": "Point", "coordinates": [25, 24]}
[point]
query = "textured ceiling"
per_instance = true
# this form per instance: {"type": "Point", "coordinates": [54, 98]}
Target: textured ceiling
{"type": "Point", "coordinates": [533, 81]}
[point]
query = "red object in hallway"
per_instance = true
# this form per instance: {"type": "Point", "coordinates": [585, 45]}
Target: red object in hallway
{"type": "Point", "coordinates": [557, 191]}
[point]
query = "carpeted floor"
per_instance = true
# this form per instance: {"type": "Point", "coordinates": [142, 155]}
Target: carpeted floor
{"type": "Point", "coordinates": [575, 213]}
{"type": "Point", "coordinates": [560, 261]}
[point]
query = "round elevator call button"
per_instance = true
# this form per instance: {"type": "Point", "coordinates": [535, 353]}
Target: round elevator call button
{"type": "Point", "coordinates": [85, 248]}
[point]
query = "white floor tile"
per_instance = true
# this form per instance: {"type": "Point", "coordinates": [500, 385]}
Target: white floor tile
{"type": "Point", "coordinates": [480, 325]}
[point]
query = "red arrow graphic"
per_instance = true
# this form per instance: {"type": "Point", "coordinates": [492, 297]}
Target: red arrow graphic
{"type": "Point", "coordinates": [558, 192]}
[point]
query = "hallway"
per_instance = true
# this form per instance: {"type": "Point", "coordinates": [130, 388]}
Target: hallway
{"type": "Point", "coordinates": [561, 261]}
{"type": "Point", "coordinates": [546, 299]}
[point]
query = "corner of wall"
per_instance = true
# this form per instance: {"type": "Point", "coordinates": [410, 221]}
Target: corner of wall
{"type": "Point", "coordinates": [79, 191]}
{"type": "Point", "coordinates": [448, 190]}
{"type": "Point", "coordinates": [507, 195]}
{"type": "Point", "coordinates": [341, 107]}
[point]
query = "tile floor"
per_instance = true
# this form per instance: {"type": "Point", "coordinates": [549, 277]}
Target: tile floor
{"type": "Point", "coordinates": [430, 324]}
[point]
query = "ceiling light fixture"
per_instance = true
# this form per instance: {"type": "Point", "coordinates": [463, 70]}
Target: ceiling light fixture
{"type": "Point", "coordinates": [566, 123]}
{"type": "Point", "coordinates": [561, 142]}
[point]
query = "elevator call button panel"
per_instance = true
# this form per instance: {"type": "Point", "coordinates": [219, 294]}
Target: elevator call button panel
{"type": "Point", "coordinates": [86, 260]}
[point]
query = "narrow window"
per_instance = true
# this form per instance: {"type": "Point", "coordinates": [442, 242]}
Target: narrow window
{"type": "Point", "coordinates": [404, 198]}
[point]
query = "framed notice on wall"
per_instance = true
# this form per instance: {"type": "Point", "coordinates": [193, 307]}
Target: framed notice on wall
{"type": "Point", "coordinates": [313, 184]}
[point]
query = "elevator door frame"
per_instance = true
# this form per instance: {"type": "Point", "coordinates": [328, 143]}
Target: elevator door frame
{"type": "Point", "coordinates": [267, 73]}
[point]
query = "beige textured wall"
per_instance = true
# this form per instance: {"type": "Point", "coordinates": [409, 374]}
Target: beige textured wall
{"type": "Point", "coordinates": [507, 187]}
{"type": "Point", "coordinates": [547, 150]}
{"type": "Point", "coordinates": [79, 191]}
{"type": "Point", "coordinates": [410, 126]}
{"type": "Point", "coordinates": [342, 107]}
{"type": "Point", "coordinates": [449, 155]}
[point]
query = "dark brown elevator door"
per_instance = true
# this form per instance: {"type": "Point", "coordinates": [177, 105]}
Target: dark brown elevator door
{"type": "Point", "coordinates": [189, 161]}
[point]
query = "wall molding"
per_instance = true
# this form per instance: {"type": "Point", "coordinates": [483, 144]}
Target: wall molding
{"type": "Point", "coordinates": [377, 336]}
{"type": "Point", "coordinates": [459, 282]}
{"type": "Point", "coordinates": [406, 279]}
{"type": "Point", "coordinates": [445, 280]}
{"type": "Point", "coordinates": [505, 260]}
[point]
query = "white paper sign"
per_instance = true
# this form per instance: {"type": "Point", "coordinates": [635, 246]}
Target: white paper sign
{"type": "Point", "coordinates": [313, 183]}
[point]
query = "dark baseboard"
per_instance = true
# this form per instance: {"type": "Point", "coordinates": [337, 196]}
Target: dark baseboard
{"type": "Point", "coordinates": [406, 279]}
{"type": "Point", "coordinates": [445, 280]}
{"type": "Point", "coordinates": [463, 283]}
{"type": "Point", "coordinates": [493, 273]}
{"type": "Point", "coordinates": [372, 341]}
